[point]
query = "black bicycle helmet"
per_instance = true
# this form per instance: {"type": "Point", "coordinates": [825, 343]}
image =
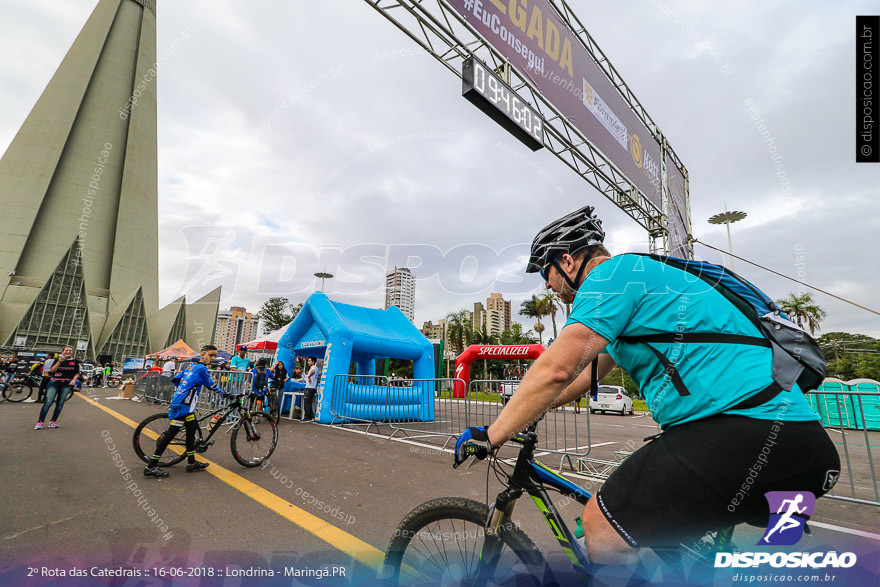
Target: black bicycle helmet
{"type": "Point", "coordinates": [568, 234]}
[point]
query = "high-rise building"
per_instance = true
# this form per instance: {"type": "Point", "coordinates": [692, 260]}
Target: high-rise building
{"type": "Point", "coordinates": [497, 314]}
{"type": "Point", "coordinates": [78, 191]}
{"type": "Point", "coordinates": [437, 331]}
{"type": "Point", "coordinates": [478, 320]}
{"type": "Point", "coordinates": [400, 291]}
{"type": "Point", "coordinates": [234, 327]}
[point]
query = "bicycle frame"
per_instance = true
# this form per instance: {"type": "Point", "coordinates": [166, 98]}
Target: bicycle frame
{"type": "Point", "coordinates": [532, 477]}
{"type": "Point", "coordinates": [244, 415]}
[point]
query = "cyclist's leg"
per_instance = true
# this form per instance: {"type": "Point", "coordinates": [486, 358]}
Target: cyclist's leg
{"type": "Point", "coordinates": [604, 544]}
{"type": "Point", "coordinates": [164, 441]}
{"type": "Point", "coordinates": [51, 392]}
{"type": "Point", "coordinates": [191, 424]}
{"type": "Point", "coordinates": [63, 394]}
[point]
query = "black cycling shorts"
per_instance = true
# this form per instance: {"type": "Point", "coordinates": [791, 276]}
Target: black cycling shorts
{"type": "Point", "coordinates": [711, 474]}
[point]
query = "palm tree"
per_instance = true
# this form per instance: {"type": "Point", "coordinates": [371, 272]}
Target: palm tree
{"type": "Point", "coordinates": [539, 328]}
{"type": "Point", "coordinates": [535, 307]}
{"type": "Point", "coordinates": [552, 304]}
{"type": "Point", "coordinates": [460, 330]}
{"type": "Point", "coordinates": [803, 310]}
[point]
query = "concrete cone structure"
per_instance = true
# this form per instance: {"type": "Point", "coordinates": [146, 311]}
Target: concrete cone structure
{"type": "Point", "coordinates": [78, 187]}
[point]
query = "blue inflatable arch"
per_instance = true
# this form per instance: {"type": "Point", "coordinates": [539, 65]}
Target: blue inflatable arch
{"type": "Point", "coordinates": [342, 334]}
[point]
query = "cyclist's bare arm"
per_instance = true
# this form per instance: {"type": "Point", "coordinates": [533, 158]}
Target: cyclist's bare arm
{"type": "Point", "coordinates": [555, 369]}
{"type": "Point", "coordinates": [581, 385]}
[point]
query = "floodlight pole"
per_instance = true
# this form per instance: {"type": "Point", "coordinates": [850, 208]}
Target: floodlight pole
{"type": "Point", "coordinates": [323, 275]}
{"type": "Point", "coordinates": [727, 218]}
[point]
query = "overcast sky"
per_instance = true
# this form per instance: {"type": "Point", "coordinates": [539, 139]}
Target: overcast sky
{"type": "Point", "coordinates": [301, 136]}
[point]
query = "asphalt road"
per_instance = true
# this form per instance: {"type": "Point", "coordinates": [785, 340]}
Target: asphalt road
{"type": "Point", "coordinates": [75, 499]}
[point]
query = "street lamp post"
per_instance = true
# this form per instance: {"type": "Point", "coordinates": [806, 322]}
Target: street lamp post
{"type": "Point", "coordinates": [323, 275]}
{"type": "Point", "coordinates": [727, 218]}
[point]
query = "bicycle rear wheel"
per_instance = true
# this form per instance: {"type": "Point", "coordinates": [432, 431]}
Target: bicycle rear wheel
{"type": "Point", "coordinates": [114, 381]}
{"type": "Point", "coordinates": [16, 392]}
{"type": "Point", "coordinates": [147, 434]}
{"type": "Point", "coordinates": [252, 443]}
{"type": "Point", "coordinates": [443, 542]}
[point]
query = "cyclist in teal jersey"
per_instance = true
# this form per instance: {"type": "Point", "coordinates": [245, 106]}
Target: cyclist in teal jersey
{"type": "Point", "coordinates": [720, 449]}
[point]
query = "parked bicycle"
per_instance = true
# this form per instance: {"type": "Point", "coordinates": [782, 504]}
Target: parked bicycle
{"type": "Point", "coordinates": [458, 541]}
{"type": "Point", "coordinates": [20, 388]}
{"type": "Point", "coordinates": [253, 435]}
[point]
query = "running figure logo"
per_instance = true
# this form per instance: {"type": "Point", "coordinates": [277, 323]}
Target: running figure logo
{"type": "Point", "coordinates": [789, 511]}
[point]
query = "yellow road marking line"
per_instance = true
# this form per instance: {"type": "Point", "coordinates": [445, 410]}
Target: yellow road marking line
{"type": "Point", "coordinates": [335, 537]}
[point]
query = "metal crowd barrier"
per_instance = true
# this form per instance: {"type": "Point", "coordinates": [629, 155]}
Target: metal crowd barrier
{"type": "Point", "coordinates": [561, 431]}
{"type": "Point", "coordinates": [852, 419]}
{"type": "Point", "coordinates": [449, 413]}
{"type": "Point", "coordinates": [154, 386]}
{"type": "Point", "coordinates": [368, 390]}
{"type": "Point", "coordinates": [376, 399]}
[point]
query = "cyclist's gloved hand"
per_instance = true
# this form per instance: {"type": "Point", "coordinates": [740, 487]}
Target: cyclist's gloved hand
{"type": "Point", "coordinates": [473, 442]}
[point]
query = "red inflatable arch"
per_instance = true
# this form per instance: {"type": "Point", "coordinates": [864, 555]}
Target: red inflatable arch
{"type": "Point", "coordinates": [491, 352]}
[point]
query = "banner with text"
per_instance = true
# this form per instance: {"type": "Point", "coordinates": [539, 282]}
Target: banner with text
{"type": "Point", "coordinates": [543, 47]}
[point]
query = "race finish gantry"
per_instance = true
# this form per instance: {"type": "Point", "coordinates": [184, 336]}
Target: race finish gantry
{"type": "Point", "coordinates": [343, 334]}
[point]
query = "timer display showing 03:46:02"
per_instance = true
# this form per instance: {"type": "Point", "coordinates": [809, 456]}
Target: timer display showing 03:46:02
{"type": "Point", "coordinates": [498, 100]}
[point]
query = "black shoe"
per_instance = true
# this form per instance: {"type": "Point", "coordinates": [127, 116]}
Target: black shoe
{"type": "Point", "coordinates": [154, 472]}
{"type": "Point", "coordinates": [196, 466]}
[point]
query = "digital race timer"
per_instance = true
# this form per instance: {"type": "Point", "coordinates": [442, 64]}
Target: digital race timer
{"type": "Point", "coordinates": [490, 94]}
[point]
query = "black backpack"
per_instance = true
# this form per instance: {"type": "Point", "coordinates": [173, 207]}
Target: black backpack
{"type": "Point", "coordinates": [260, 378]}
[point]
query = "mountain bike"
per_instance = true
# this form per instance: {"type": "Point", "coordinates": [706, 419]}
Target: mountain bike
{"type": "Point", "coordinates": [458, 541]}
{"type": "Point", "coordinates": [19, 389]}
{"type": "Point", "coordinates": [253, 435]}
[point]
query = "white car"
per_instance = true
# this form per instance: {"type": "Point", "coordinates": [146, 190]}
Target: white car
{"type": "Point", "coordinates": [507, 390]}
{"type": "Point", "coordinates": [612, 398]}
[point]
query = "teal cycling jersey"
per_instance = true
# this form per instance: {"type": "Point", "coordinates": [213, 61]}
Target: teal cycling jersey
{"type": "Point", "coordinates": [633, 295]}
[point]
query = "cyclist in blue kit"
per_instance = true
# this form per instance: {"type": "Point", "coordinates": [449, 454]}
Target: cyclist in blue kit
{"type": "Point", "coordinates": [182, 412]}
{"type": "Point", "coordinates": [710, 467]}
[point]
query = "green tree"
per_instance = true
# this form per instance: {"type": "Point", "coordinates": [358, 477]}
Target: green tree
{"type": "Point", "coordinates": [460, 330]}
{"type": "Point", "coordinates": [851, 356]}
{"type": "Point", "coordinates": [277, 312]}
{"type": "Point", "coordinates": [535, 307]}
{"type": "Point", "coordinates": [515, 335]}
{"type": "Point", "coordinates": [803, 310]}
{"type": "Point", "coordinates": [552, 305]}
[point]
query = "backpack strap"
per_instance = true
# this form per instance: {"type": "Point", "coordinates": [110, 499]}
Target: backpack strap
{"type": "Point", "coordinates": [594, 379]}
{"type": "Point", "coordinates": [762, 397]}
{"type": "Point", "coordinates": [698, 337]}
{"type": "Point", "coordinates": [758, 399]}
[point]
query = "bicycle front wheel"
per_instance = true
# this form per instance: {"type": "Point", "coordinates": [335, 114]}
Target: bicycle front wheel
{"type": "Point", "coordinates": [147, 434]}
{"type": "Point", "coordinates": [443, 542]}
{"type": "Point", "coordinates": [254, 442]}
{"type": "Point", "coordinates": [16, 392]}
{"type": "Point", "coordinates": [114, 382]}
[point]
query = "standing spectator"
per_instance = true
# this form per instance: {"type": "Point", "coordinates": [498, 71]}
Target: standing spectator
{"type": "Point", "coordinates": [98, 375]}
{"type": "Point", "coordinates": [169, 366]}
{"type": "Point", "coordinates": [279, 378]}
{"type": "Point", "coordinates": [64, 373]}
{"type": "Point", "coordinates": [311, 389]}
{"type": "Point", "coordinates": [107, 371]}
{"type": "Point", "coordinates": [43, 368]}
{"type": "Point", "coordinates": [240, 362]}
{"type": "Point", "coordinates": [262, 377]}
{"type": "Point", "coordinates": [44, 380]}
